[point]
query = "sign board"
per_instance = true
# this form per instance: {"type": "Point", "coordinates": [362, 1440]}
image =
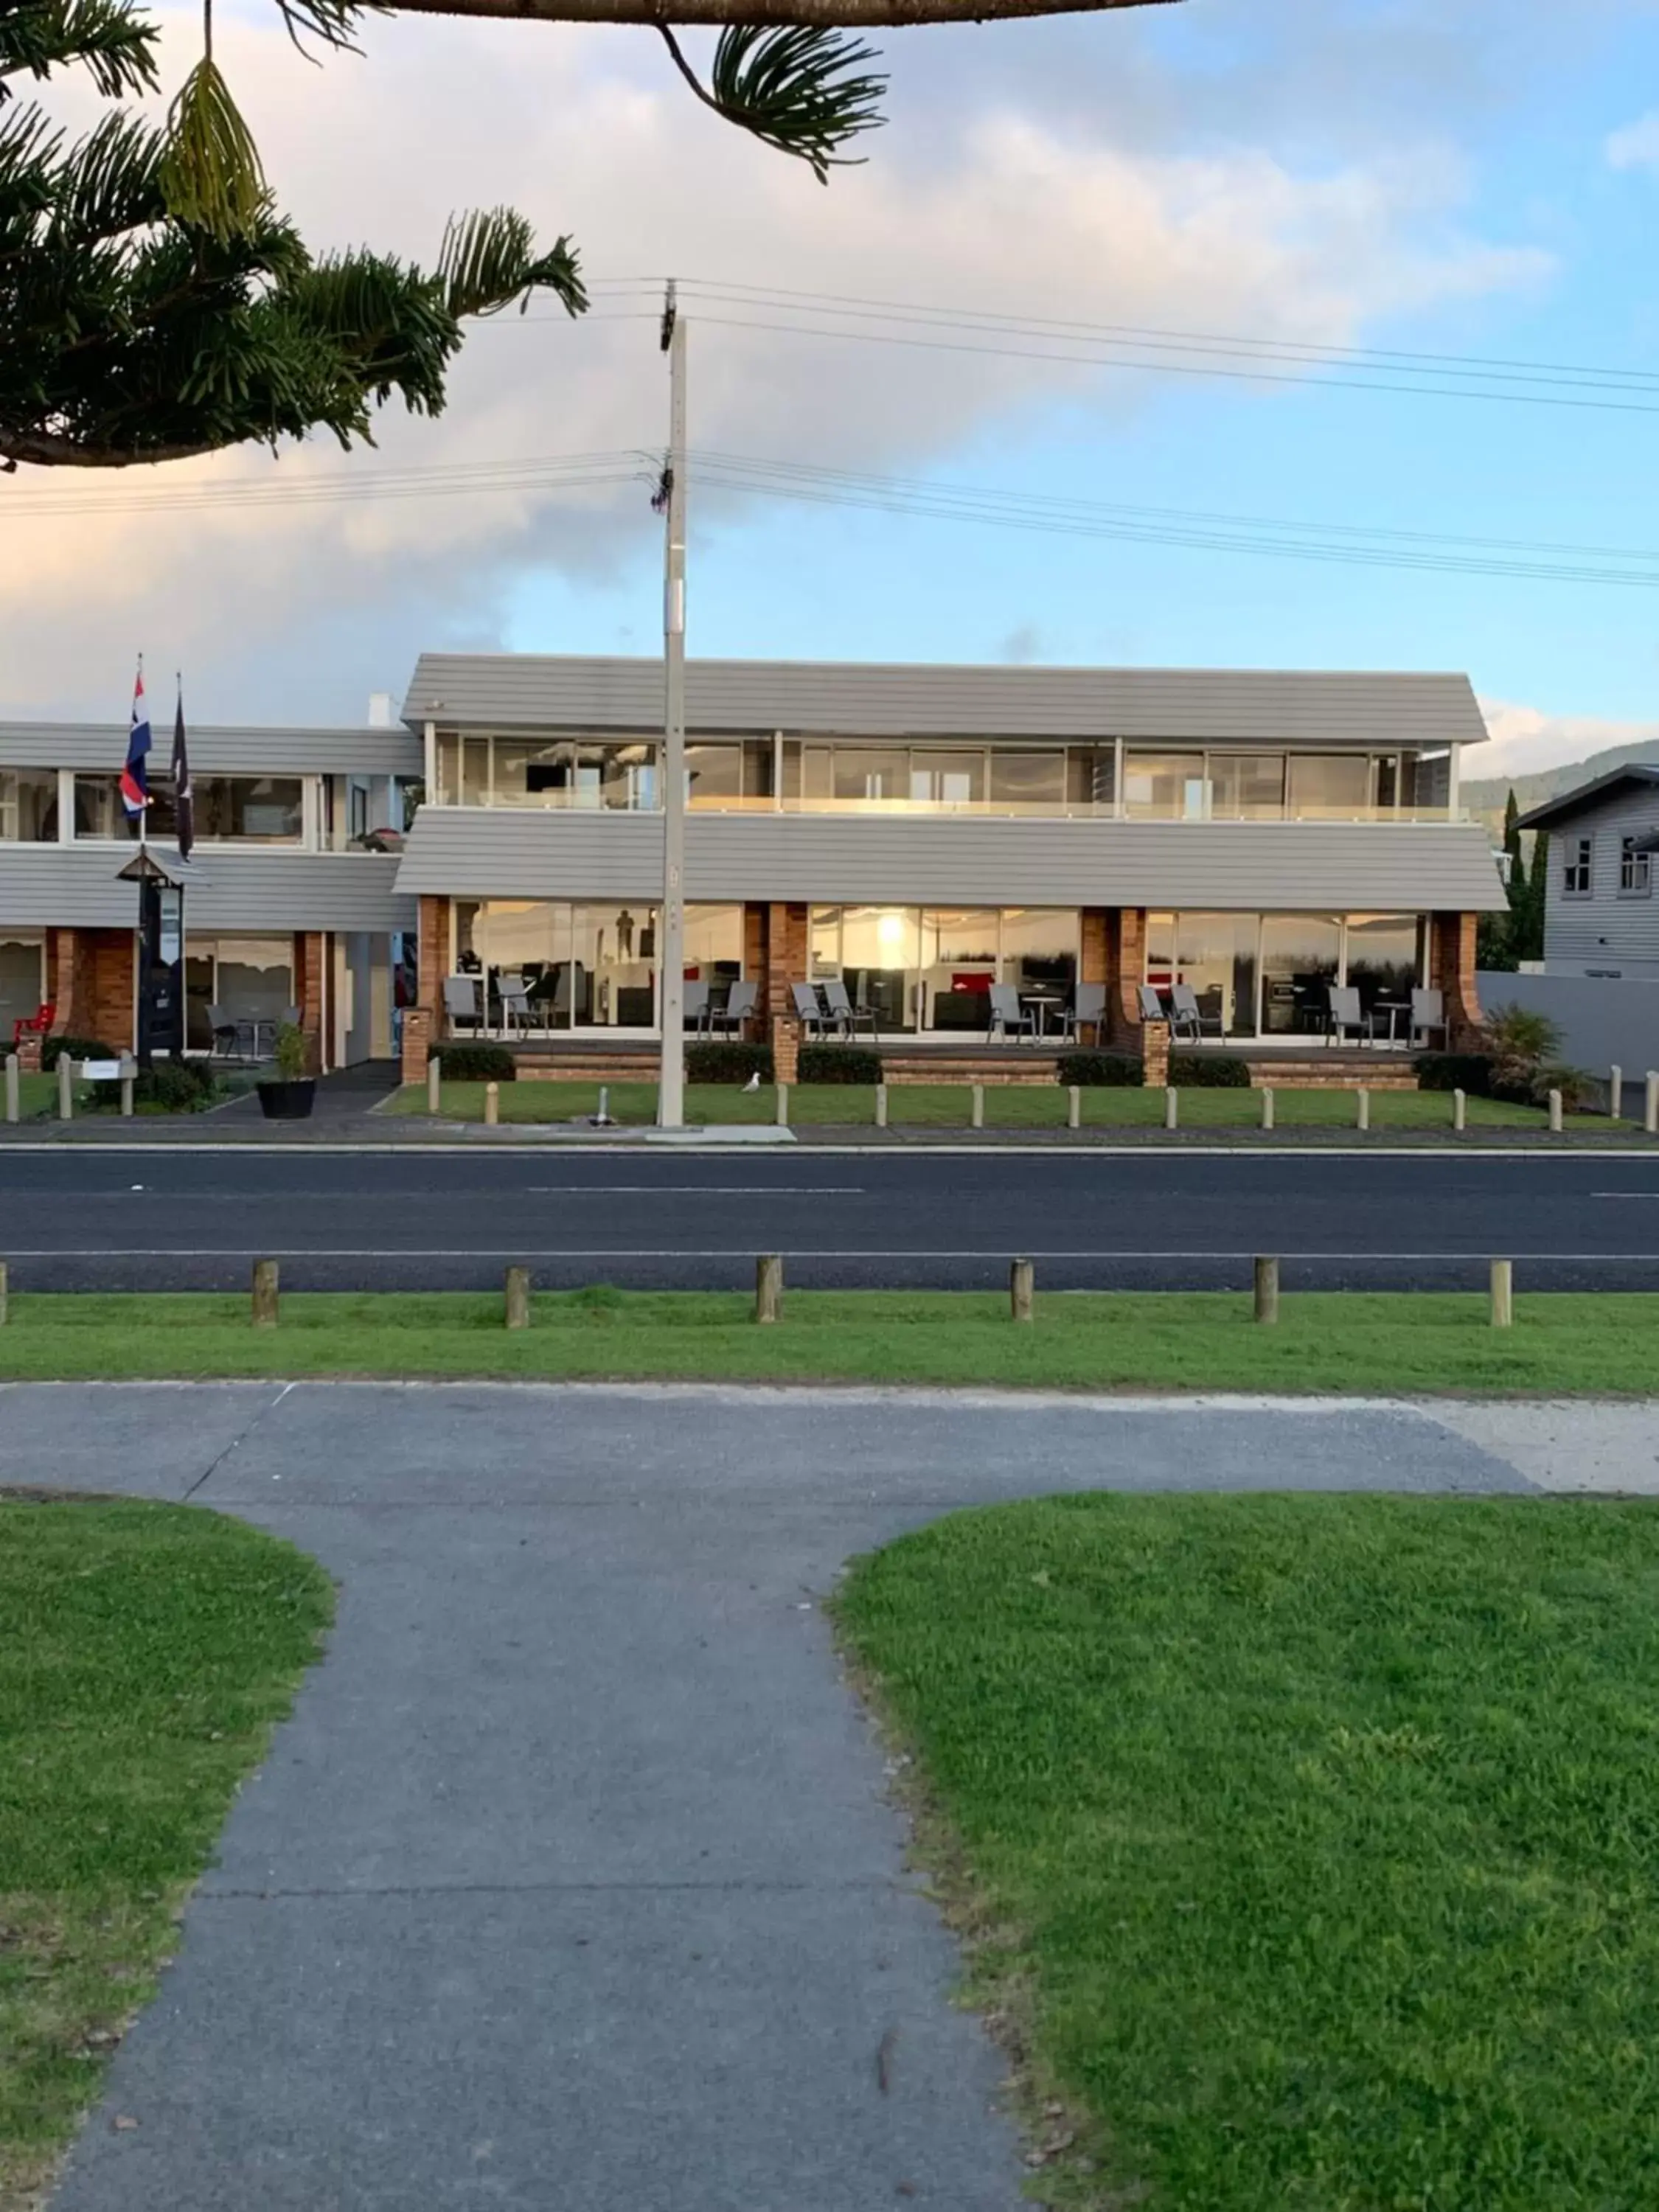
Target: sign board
{"type": "Point", "coordinates": [100, 1071]}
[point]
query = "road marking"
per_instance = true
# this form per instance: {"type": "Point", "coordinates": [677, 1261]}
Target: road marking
{"type": "Point", "coordinates": [690, 1190]}
{"type": "Point", "coordinates": [996, 1252]}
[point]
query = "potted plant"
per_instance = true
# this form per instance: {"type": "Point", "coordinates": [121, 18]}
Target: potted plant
{"type": "Point", "coordinates": [289, 1097]}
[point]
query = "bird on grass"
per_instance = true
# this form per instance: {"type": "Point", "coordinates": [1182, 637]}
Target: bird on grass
{"type": "Point", "coordinates": [753, 1083]}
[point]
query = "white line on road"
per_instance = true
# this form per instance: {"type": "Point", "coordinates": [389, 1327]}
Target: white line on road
{"type": "Point", "coordinates": [1478, 1253]}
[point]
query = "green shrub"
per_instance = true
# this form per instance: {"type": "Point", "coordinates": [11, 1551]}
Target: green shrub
{"type": "Point", "coordinates": [1103, 1071]}
{"type": "Point", "coordinates": [290, 1052]}
{"type": "Point", "coordinates": [728, 1059]}
{"type": "Point", "coordinates": [838, 1063]}
{"type": "Point", "coordinates": [1209, 1070]}
{"type": "Point", "coordinates": [78, 1048]}
{"type": "Point", "coordinates": [1455, 1071]}
{"type": "Point", "coordinates": [171, 1086]}
{"type": "Point", "coordinates": [476, 1061]}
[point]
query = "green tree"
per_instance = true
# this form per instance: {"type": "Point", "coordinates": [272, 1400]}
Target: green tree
{"type": "Point", "coordinates": [1496, 934]}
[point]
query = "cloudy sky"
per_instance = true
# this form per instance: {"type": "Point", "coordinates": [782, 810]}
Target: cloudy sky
{"type": "Point", "coordinates": [1472, 179]}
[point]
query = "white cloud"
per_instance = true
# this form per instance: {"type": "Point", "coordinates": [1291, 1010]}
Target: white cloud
{"type": "Point", "coordinates": [1525, 739]}
{"type": "Point", "coordinates": [305, 608]}
{"type": "Point", "coordinates": [1637, 145]}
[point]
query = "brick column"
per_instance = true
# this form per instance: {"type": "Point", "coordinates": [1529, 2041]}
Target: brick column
{"type": "Point", "coordinates": [431, 958]}
{"type": "Point", "coordinates": [66, 982]}
{"type": "Point", "coordinates": [1452, 972]}
{"type": "Point", "coordinates": [310, 957]}
{"type": "Point", "coordinates": [1124, 964]}
{"type": "Point", "coordinates": [416, 1043]}
{"type": "Point", "coordinates": [29, 1055]}
{"type": "Point", "coordinates": [110, 973]}
{"type": "Point", "coordinates": [786, 963]}
{"type": "Point", "coordinates": [1155, 1053]}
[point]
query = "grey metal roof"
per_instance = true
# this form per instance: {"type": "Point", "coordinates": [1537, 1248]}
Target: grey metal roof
{"type": "Point", "coordinates": [227, 888]}
{"type": "Point", "coordinates": [223, 747]}
{"type": "Point", "coordinates": [858, 698]}
{"type": "Point", "coordinates": [1634, 774]}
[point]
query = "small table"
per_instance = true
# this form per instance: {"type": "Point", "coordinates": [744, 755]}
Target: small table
{"type": "Point", "coordinates": [1037, 1005]}
{"type": "Point", "coordinates": [1391, 1007]}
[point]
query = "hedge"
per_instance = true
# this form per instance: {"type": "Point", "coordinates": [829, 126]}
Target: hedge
{"type": "Point", "coordinates": [176, 1086]}
{"type": "Point", "coordinates": [1455, 1071]}
{"type": "Point", "coordinates": [1208, 1071]}
{"type": "Point", "coordinates": [476, 1061]}
{"type": "Point", "coordinates": [838, 1063]}
{"type": "Point", "coordinates": [78, 1048]}
{"type": "Point", "coordinates": [1114, 1071]}
{"type": "Point", "coordinates": [728, 1059]}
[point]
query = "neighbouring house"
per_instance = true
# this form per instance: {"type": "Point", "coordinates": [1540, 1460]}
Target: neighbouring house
{"type": "Point", "coordinates": [921, 833]}
{"type": "Point", "coordinates": [1599, 914]}
{"type": "Point", "coordinates": [291, 904]}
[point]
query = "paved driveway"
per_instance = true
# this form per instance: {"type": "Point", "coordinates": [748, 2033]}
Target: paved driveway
{"type": "Point", "coordinates": [572, 1883]}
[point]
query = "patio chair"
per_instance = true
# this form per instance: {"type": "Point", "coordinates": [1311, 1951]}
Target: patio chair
{"type": "Point", "coordinates": [1151, 1006]}
{"type": "Point", "coordinates": [513, 995]}
{"type": "Point", "coordinates": [1087, 1011]}
{"type": "Point", "coordinates": [808, 1013]}
{"type": "Point", "coordinates": [694, 1004]}
{"type": "Point", "coordinates": [841, 1010]}
{"type": "Point", "coordinates": [1008, 1018]}
{"type": "Point", "coordinates": [1346, 1013]}
{"type": "Point", "coordinates": [462, 1002]}
{"type": "Point", "coordinates": [1428, 1015]}
{"type": "Point", "coordinates": [227, 1035]}
{"type": "Point", "coordinates": [728, 1020]}
{"type": "Point", "coordinates": [1188, 1019]}
{"type": "Point", "coordinates": [39, 1024]}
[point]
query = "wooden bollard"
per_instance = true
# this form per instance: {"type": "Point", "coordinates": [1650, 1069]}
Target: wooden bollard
{"type": "Point", "coordinates": [1459, 1110]}
{"type": "Point", "coordinates": [1555, 1113]}
{"type": "Point", "coordinates": [1267, 1290]}
{"type": "Point", "coordinates": [13, 1087]}
{"type": "Point", "coordinates": [1651, 1104]}
{"type": "Point", "coordinates": [1073, 1107]}
{"type": "Point", "coordinates": [783, 1105]}
{"type": "Point", "coordinates": [1362, 1108]}
{"type": "Point", "coordinates": [1021, 1275]}
{"type": "Point", "coordinates": [1616, 1092]}
{"type": "Point", "coordinates": [127, 1073]}
{"type": "Point", "coordinates": [5, 1294]}
{"type": "Point", "coordinates": [1171, 1107]}
{"type": "Point", "coordinates": [266, 1276]}
{"type": "Point", "coordinates": [976, 1107]}
{"type": "Point", "coordinates": [1502, 1294]}
{"type": "Point", "coordinates": [1267, 1106]}
{"type": "Point", "coordinates": [492, 1104]}
{"type": "Point", "coordinates": [434, 1085]}
{"type": "Point", "coordinates": [517, 1289]}
{"type": "Point", "coordinates": [881, 1105]}
{"type": "Point", "coordinates": [65, 1087]}
{"type": "Point", "coordinates": [769, 1287]}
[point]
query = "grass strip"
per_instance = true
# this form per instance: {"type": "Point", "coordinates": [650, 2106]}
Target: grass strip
{"type": "Point", "coordinates": [1605, 1344]}
{"type": "Point", "coordinates": [1007, 1106]}
{"type": "Point", "coordinates": [146, 1652]}
{"type": "Point", "coordinates": [1305, 1845]}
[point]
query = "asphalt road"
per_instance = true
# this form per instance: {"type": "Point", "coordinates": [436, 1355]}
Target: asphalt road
{"type": "Point", "coordinates": [571, 1885]}
{"type": "Point", "coordinates": [107, 1219]}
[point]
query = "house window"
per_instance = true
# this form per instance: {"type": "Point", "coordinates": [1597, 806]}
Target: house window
{"type": "Point", "coordinates": [1575, 875]}
{"type": "Point", "coordinates": [1635, 870]}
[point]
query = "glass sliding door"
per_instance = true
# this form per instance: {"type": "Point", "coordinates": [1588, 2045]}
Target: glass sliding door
{"type": "Point", "coordinates": [1383, 954]}
{"type": "Point", "coordinates": [1301, 958]}
{"type": "Point", "coordinates": [959, 954]}
{"type": "Point", "coordinates": [1216, 956]}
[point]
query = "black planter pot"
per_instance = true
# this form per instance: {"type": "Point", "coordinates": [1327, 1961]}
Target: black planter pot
{"type": "Point", "coordinates": [287, 1102]}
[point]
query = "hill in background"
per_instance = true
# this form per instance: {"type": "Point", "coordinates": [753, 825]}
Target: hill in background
{"type": "Point", "coordinates": [1486, 797]}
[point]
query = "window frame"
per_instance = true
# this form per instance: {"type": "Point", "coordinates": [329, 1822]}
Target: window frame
{"type": "Point", "coordinates": [1637, 866]}
{"type": "Point", "coordinates": [1582, 865]}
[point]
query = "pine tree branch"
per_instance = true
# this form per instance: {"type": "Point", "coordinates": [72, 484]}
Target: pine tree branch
{"type": "Point", "coordinates": [845, 15]}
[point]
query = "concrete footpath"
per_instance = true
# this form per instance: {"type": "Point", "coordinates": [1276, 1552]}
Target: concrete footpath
{"type": "Point", "coordinates": [572, 1881]}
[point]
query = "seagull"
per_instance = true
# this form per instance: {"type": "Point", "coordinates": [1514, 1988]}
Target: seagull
{"type": "Point", "coordinates": [753, 1083]}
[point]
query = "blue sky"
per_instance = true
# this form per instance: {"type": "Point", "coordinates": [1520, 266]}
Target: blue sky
{"type": "Point", "coordinates": [1431, 174]}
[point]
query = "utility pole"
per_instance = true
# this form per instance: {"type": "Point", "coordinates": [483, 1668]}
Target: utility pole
{"type": "Point", "coordinates": [670, 1093]}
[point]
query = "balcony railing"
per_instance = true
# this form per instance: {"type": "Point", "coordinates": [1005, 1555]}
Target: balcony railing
{"type": "Point", "coordinates": [981, 809]}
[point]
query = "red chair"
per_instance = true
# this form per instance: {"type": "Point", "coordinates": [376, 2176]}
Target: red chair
{"type": "Point", "coordinates": [37, 1024]}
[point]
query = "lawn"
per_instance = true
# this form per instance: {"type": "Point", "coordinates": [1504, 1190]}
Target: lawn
{"type": "Point", "coordinates": [1305, 1845]}
{"type": "Point", "coordinates": [1007, 1106]}
{"type": "Point", "coordinates": [38, 1094]}
{"type": "Point", "coordinates": [1351, 1342]}
{"type": "Point", "coordinates": [145, 1653]}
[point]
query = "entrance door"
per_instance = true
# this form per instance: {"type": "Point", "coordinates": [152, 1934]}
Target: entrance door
{"type": "Point", "coordinates": [1301, 955]}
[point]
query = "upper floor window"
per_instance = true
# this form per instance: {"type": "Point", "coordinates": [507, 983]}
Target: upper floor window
{"type": "Point", "coordinates": [1164, 787]}
{"type": "Point", "coordinates": [28, 805]}
{"type": "Point", "coordinates": [1635, 870]}
{"type": "Point", "coordinates": [477, 769]}
{"type": "Point", "coordinates": [1578, 871]}
{"type": "Point", "coordinates": [255, 810]}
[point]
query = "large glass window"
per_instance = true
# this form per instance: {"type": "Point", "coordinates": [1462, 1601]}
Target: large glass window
{"type": "Point", "coordinates": [876, 952]}
{"type": "Point", "coordinates": [1382, 962]}
{"type": "Point", "coordinates": [1247, 787]}
{"type": "Point", "coordinates": [1164, 787]}
{"type": "Point", "coordinates": [1215, 956]}
{"type": "Point", "coordinates": [590, 965]}
{"type": "Point", "coordinates": [1328, 787]}
{"type": "Point", "coordinates": [22, 982]}
{"type": "Point", "coordinates": [28, 805]}
{"type": "Point", "coordinates": [947, 780]}
{"type": "Point", "coordinates": [959, 956]}
{"type": "Point", "coordinates": [1033, 779]}
{"type": "Point", "coordinates": [726, 773]}
{"type": "Point", "coordinates": [1301, 954]}
{"type": "Point", "coordinates": [257, 809]}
